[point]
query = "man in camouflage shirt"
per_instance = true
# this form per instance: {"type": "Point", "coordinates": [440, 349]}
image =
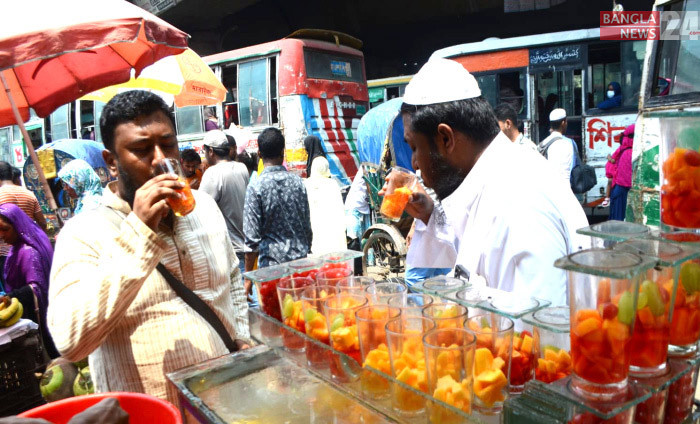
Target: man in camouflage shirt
{"type": "Point", "coordinates": [276, 219]}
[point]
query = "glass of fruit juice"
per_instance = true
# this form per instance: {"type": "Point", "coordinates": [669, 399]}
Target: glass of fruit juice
{"type": "Point", "coordinates": [380, 293]}
{"type": "Point", "coordinates": [405, 342]}
{"type": "Point", "coordinates": [449, 367]}
{"type": "Point", "coordinates": [355, 285]}
{"type": "Point", "coordinates": [552, 343]}
{"type": "Point", "coordinates": [398, 189]}
{"type": "Point", "coordinates": [315, 324]}
{"type": "Point", "coordinates": [603, 288]}
{"type": "Point", "coordinates": [446, 315]}
{"type": "Point", "coordinates": [331, 277]}
{"type": "Point", "coordinates": [655, 308]}
{"type": "Point", "coordinates": [679, 154]}
{"type": "Point", "coordinates": [265, 280]}
{"type": "Point", "coordinates": [410, 304]}
{"type": "Point", "coordinates": [494, 346]}
{"type": "Point", "coordinates": [441, 286]}
{"type": "Point", "coordinates": [305, 267]}
{"type": "Point", "coordinates": [340, 259]}
{"type": "Point", "coordinates": [184, 203]}
{"type": "Point", "coordinates": [289, 291]}
{"type": "Point", "coordinates": [342, 330]}
{"type": "Point", "coordinates": [371, 323]}
{"type": "Point", "coordinates": [685, 323]}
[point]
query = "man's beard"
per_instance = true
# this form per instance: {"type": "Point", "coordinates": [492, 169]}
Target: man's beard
{"type": "Point", "coordinates": [128, 185]}
{"type": "Point", "coordinates": [445, 178]}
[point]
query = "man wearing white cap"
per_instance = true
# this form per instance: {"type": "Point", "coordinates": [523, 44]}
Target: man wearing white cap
{"type": "Point", "coordinates": [557, 148]}
{"type": "Point", "coordinates": [505, 218]}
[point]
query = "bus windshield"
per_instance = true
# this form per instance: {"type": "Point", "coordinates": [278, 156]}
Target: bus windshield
{"type": "Point", "coordinates": [333, 66]}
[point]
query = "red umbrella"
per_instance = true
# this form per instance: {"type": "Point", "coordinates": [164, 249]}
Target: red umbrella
{"type": "Point", "coordinates": [53, 52]}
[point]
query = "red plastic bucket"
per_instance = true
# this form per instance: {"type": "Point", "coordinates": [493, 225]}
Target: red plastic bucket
{"type": "Point", "coordinates": [142, 409]}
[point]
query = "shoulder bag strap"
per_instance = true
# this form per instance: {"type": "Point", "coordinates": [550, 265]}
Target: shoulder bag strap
{"type": "Point", "coordinates": [545, 148]}
{"type": "Point", "coordinates": [194, 301]}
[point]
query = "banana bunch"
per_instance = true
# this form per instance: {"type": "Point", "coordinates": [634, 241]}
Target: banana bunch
{"type": "Point", "coordinates": [10, 311]}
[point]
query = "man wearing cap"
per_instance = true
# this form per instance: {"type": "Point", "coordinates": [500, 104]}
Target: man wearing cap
{"type": "Point", "coordinates": [503, 217]}
{"type": "Point", "coordinates": [226, 181]}
{"type": "Point", "coordinates": [557, 148]}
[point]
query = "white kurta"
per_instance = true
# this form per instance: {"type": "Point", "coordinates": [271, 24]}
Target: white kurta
{"type": "Point", "coordinates": [508, 222]}
{"type": "Point", "coordinates": [561, 155]}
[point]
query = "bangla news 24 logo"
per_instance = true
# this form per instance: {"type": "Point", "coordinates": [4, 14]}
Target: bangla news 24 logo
{"type": "Point", "coordinates": [669, 25]}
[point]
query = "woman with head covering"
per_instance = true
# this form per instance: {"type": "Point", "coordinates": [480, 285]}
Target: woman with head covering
{"type": "Point", "coordinates": [326, 209]}
{"type": "Point", "coordinates": [622, 178]}
{"type": "Point", "coordinates": [613, 96]}
{"type": "Point", "coordinates": [82, 183]}
{"type": "Point", "coordinates": [314, 149]}
{"type": "Point", "coordinates": [27, 267]}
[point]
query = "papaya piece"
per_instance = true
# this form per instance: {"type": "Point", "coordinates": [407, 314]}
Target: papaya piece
{"type": "Point", "coordinates": [526, 346]}
{"type": "Point", "coordinates": [483, 360]}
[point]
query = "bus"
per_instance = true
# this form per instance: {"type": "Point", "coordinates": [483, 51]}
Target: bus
{"type": "Point", "coordinates": [384, 89]}
{"type": "Point", "coordinates": [310, 83]}
{"type": "Point", "coordinates": [74, 120]}
{"type": "Point", "coordinates": [569, 70]}
{"type": "Point", "coordinates": [670, 106]}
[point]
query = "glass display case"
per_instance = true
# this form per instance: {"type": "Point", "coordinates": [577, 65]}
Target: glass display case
{"type": "Point", "coordinates": [603, 289]}
{"type": "Point", "coordinates": [551, 343]}
{"type": "Point", "coordinates": [669, 303]}
{"type": "Point", "coordinates": [275, 389]}
{"type": "Point", "coordinates": [608, 233]}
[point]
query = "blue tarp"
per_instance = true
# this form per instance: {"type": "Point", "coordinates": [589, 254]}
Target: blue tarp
{"type": "Point", "coordinates": [373, 129]}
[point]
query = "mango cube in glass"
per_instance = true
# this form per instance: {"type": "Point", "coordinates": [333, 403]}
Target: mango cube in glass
{"type": "Point", "coordinates": [399, 187]}
{"type": "Point", "coordinates": [449, 360]}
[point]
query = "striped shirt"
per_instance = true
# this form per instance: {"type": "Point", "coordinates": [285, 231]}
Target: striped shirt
{"type": "Point", "coordinates": [24, 199]}
{"type": "Point", "coordinates": [106, 299]}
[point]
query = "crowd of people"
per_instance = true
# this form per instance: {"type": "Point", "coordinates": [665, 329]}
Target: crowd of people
{"type": "Point", "coordinates": [107, 289]}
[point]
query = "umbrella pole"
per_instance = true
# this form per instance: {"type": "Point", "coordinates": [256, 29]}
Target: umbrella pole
{"type": "Point", "coordinates": [30, 147]}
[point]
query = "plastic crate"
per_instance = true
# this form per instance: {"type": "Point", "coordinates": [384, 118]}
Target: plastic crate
{"type": "Point", "coordinates": [19, 387]}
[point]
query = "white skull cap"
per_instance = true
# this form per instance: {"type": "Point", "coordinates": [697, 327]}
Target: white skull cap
{"type": "Point", "coordinates": [440, 81]}
{"type": "Point", "coordinates": [557, 114]}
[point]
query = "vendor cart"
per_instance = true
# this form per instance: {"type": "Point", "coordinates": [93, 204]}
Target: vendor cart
{"type": "Point", "coordinates": [381, 146]}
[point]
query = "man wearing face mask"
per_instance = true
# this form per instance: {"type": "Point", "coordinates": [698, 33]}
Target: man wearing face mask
{"type": "Point", "coordinates": [613, 97]}
{"type": "Point", "coordinates": [504, 215]}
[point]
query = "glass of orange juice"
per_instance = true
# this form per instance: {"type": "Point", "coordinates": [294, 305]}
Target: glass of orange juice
{"type": "Point", "coordinates": [184, 203]}
{"type": "Point", "coordinates": [399, 187]}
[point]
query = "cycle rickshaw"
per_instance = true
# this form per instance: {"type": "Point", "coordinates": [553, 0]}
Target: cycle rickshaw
{"type": "Point", "coordinates": [381, 145]}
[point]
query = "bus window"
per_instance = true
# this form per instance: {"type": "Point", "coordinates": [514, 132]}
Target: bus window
{"type": "Point", "coordinates": [87, 119]}
{"type": "Point", "coordinates": [511, 89]}
{"type": "Point", "coordinates": [253, 93]}
{"type": "Point", "coordinates": [678, 61]}
{"type": "Point", "coordinates": [60, 123]}
{"type": "Point", "coordinates": [272, 66]}
{"type": "Point", "coordinates": [631, 71]}
{"type": "Point", "coordinates": [6, 143]}
{"type": "Point", "coordinates": [620, 62]}
{"type": "Point", "coordinates": [504, 87]}
{"type": "Point", "coordinates": [487, 84]}
{"type": "Point", "coordinates": [332, 66]}
{"type": "Point", "coordinates": [98, 106]}
{"type": "Point", "coordinates": [228, 79]}
{"type": "Point", "coordinates": [189, 120]}
{"type": "Point", "coordinates": [558, 89]}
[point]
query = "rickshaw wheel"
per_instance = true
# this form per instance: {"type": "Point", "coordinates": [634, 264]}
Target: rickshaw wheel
{"type": "Point", "coordinates": [382, 256]}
